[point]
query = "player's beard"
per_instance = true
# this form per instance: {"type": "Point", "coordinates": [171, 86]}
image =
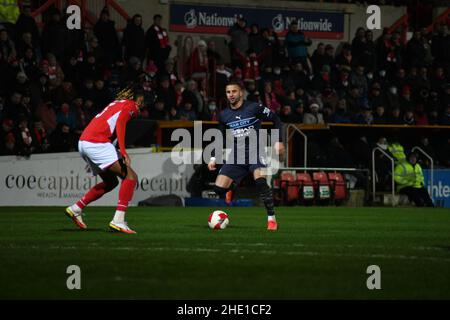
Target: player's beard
{"type": "Point", "coordinates": [235, 101]}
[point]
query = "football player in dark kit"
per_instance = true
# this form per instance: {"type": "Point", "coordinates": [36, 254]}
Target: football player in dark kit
{"type": "Point", "coordinates": [243, 118]}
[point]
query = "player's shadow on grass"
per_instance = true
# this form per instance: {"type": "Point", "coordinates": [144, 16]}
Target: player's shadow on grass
{"type": "Point", "coordinates": [79, 230]}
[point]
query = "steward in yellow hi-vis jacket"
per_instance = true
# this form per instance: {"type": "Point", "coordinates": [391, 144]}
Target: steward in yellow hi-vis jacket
{"type": "Point", "coordinates": [396, 149]}
{"type": "Point", "coordinates": [410, 181]}
{"type": "Point", "coordinates": [9, 11]}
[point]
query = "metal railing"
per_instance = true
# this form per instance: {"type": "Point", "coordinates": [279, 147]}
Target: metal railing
{"type": "Point", "coordinates": [374, 173]}
{"type": "Point", "coordinates": [431, 168]}
{"type": "Point", "coordinates": [288, 138]}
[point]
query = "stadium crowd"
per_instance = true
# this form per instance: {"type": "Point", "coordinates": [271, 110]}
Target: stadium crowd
{"type": "Point", "coordinates": [54, 81]}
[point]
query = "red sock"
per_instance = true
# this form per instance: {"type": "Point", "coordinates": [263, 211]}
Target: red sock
{"type": "Point", "coordinates": [93, 194]}
{"type": "Point", "coordinates": [125, 194]}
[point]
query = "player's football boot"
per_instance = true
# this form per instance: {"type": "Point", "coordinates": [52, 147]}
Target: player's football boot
{"type": "Point", "coordinates": [76, 218]}
{"type": "Point", "coordinates": [272, 225]}
{"type": "Point", "coordinates": [120, 227]}
{"type": "Point", "coordinates": [229, 197]}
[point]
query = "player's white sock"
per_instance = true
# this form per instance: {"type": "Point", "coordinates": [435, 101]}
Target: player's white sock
{"type": "Point", "coordinates": [75, 208]}
{"type": "Point", "coordinates": [119, 216]}
{"type": "Point", "coordinates": [271, 218]}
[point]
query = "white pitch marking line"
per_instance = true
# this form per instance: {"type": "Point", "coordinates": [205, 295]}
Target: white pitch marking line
{"type": "Point", "coordinates": [271, 252]}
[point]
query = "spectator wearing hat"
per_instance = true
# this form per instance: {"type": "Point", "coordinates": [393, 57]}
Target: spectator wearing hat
{"type": "Point", "coordinates": [157, 42]}
{"type": "Point", "coordinates": [50, 66]}
{"type": "Point", "coordinates": [198, 62]}
{"type": "Point", "coordinates": [297, 44]}
{"type": "Point", "coordinates": [133, 40]}
{"type": "Point", "coordinates": [313, 116]}
{"type": "Point", "coordinates": [105, 31]}
{"type": "Point", "coordinates": [250, 62]}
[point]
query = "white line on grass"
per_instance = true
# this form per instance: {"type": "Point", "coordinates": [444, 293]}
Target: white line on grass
{"type": "Point", "coordinates": [240, 251]}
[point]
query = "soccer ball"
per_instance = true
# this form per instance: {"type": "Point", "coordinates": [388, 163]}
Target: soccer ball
{"type": "Point", "coordinates": [218, 220]}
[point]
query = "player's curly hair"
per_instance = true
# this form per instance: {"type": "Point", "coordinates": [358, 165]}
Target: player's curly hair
{"type": "Point", "coordinates": [125, 93]}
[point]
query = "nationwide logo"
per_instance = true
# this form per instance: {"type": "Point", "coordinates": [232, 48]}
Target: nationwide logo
{"type": "Point", "coordinates": [190, 19]}
{"type": "Point", "coordinates": [193, 19]}
{"type": "Point", "coordinates": [278, 23]}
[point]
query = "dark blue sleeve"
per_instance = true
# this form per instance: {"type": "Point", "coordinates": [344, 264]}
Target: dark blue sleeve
{"type": "Point", "coordinates": [265, 114]}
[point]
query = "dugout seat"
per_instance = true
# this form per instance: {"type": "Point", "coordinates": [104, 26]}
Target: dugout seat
{"type": "Point", "coordinates": [322, 186]}
{"type": "Point", "coordinates": [305, 187]}
{"type": "Point", "coordinates": [289, 187]}
{"type": "Point", "coordinates": [338, 187]}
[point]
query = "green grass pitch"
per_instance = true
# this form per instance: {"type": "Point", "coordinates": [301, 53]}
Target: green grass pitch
{"type": "Point", "coordinates": [318, 253]}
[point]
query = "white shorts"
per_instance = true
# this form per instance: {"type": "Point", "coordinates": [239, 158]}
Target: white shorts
{"type": "Point", "coordinates": [99, 156]}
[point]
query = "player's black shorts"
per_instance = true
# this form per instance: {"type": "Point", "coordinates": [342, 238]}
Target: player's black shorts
{"type": "Point", "coordinates": [237, 172]}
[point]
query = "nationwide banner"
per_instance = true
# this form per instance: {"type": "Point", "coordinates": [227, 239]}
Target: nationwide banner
{"type": "Point", "coordinates": [441, 186]}
{"type": "Point", "coordinates": [218, 20]}
{"type": "Point", "coordinates": [62, 178]}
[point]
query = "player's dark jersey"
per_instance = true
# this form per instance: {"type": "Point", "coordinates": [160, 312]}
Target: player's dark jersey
{"type": "Point", "coordinates": [244, 124]}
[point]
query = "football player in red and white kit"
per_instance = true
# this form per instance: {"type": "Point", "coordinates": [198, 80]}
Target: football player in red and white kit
{"type": "Point", "coordinates": [97, 149]}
